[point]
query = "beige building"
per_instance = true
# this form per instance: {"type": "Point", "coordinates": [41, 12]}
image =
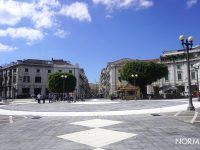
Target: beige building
{"type": "Point", "coordinates": [110, 82]}
{"type": "Point", "coordinates": [94, 90]}
{"type": "Point", "coordinates": [176, 81]}
{"type": "Point", "coordinates": [110, 77]}
{"type": "Point", "coordinates": [24, 78]}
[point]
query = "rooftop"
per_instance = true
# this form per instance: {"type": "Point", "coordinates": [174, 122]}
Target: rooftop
{"type": "Point", "coordinates": [37, 62]}
{"type": "Point", "coordinates": [180, 51]}
{"type": "Point", "coordinates": [125, 60]}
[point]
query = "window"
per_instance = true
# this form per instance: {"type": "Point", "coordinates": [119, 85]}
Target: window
{"type": "Point", "coordinates": [193, 75]}
{"type": "Point", "coordinates": [179, 74]}
{"type": "Point", "coordinates": [37, 91]}
{"type": "Point", "coordinates": [20, 78]}
{"type": "Point", "coordinates": [37, 79]}
{"type": "Point", "coordinates": [26, 79]}
{"type": "Point", "coordinates": [14, 70]}
{"type": "Point", "coordinates": [70, 71]}
{"type": "Point", "coordinates": [14, 79]}
{"type": "Point", "coordinates": [178, 66]}
{"type": "Point", "coordinates": [26, 69]}
{"type": "Point", "coordinates": [49, 71]}
{"type": "Point", "coordinates": [38, 71]}
{"type": "Point", "coordinates": [26, 91]}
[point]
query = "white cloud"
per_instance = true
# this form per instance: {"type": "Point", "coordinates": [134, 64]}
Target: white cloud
{"type": "Point", "coordinates": [190, 3]}
{"type": "Point", "coordinates": [43, 18]}
{"type": "Point", "coordinates": [41, 12]}
{"type": "Point", "coordinates": [44, 13]}
{"type": "Point", "coordinates": [52, 3]}
{"type": "Point", "coordinates": [6, 48]}
{"type": "Point", "coordinates": [28, 34]}
{"type": "Point", "coordinates": [76, 10]}
{"type": "Point", "coordinates": [11, 12]}
{"type": "Point", "coordinates": [123, 4]}
{"type": "Point", "coordinates": [61, 33]}
{"type": "Point", "coordinates": [108, 16]}
{"type": "Point", "coordinates": [145, 4]}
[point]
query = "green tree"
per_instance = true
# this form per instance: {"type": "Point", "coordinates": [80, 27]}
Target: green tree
{"type": "Point", "coordinates": [148, 72]}
{"type": "Point", "coordinates": [56, 85]}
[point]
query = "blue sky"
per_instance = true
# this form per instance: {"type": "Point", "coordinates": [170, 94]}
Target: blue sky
{"type": "Point", "coordinates": [94, 32]}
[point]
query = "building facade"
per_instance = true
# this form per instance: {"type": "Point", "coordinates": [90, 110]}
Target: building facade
{"type": "Point", "coordinates": [110, 80]}
{"type": "Point", "coordinates": [174, 82]}
{"type": "Point", "coordinates": [24, 78]}
{"type": "Point", "coordinates": [110, 77]}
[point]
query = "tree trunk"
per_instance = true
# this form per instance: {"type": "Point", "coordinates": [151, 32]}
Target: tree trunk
{"type": "Point", "coordinates": [143, 91]}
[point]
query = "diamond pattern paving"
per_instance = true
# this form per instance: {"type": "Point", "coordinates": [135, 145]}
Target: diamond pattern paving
{"type": "Point", "coordinates": [96, 123]}
{"type": "Point", "coordinates": [97, 137]}
{"type": "Point", "coordinates": [98, 149]}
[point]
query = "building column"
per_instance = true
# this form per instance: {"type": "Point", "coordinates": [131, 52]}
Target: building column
{"type": "Point", "coordinates": [186, 87]}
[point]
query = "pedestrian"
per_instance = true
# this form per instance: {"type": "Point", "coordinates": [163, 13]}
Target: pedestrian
{"type": "Point", "coordinates": [65, 98]}
{"type": "Point", "coordinates": [149, 96]}
{"type": "Point", "coordinates": [39, 97]}
{"type": "Point", "coordinates": [50, 97]}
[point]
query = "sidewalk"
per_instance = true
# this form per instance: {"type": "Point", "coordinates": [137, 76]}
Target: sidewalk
{"type": "Point", "coordinates": [192, 117]}
{"type": "Point", "coordinates": [100, 127]}
{"type": "Point", "coordinates": [98, 133]}
{"type": "Point", "coordinates": [96, 109]}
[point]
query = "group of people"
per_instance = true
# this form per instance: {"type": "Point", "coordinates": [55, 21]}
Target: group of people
{"type": "Point", "coordinates": [57, 97]}
{"type": "Point", "coordinates": [40, 98]}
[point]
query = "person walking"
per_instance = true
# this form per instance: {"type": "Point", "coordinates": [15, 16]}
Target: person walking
{"type": "Point", "coordinates": [50, 97]}
{"type": "Point", "coordinates": [39, 97]}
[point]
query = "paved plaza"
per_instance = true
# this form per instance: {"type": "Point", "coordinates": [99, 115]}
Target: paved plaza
{"type": "Point", "coordinates": [105, 125]}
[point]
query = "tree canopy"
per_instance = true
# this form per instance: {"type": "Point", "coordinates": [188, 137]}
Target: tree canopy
{"type": "Point", "coordinates": [148, 72]}
{"type": "Point", "coordinates": [56, 83]}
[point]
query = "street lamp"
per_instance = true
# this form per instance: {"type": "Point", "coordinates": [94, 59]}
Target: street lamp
{"type": "Point", "coordinates": [196, 67]}
{"type": "Point", "coordinates": [188, 43]}
{"type": "Point", "coordinates": [96, 89]}
{"type": "Point", "coordinates": [63, 77]}
{"type": "Point", "coordinates": [134, 76]}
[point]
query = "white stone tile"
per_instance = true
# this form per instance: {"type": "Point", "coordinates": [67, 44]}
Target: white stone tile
{"type": "Point", "coordinates": [98, 149]}
{"type": "Point", "coordinates": [93, 103]}
{"type": "Point", "coordinates": [97, 123]}
{"type": "Point", "coordinates": [97, 137]}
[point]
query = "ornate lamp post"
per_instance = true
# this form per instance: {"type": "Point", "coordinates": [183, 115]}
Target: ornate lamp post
{"type": "Point", "coordinates": [188, 43]}
{"type": "Point", "coordinates": [63, 77]}
{"type": "Point", "coordinates": [196, 67]}
{"type": "Point", "coordinates": [134, 76]}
